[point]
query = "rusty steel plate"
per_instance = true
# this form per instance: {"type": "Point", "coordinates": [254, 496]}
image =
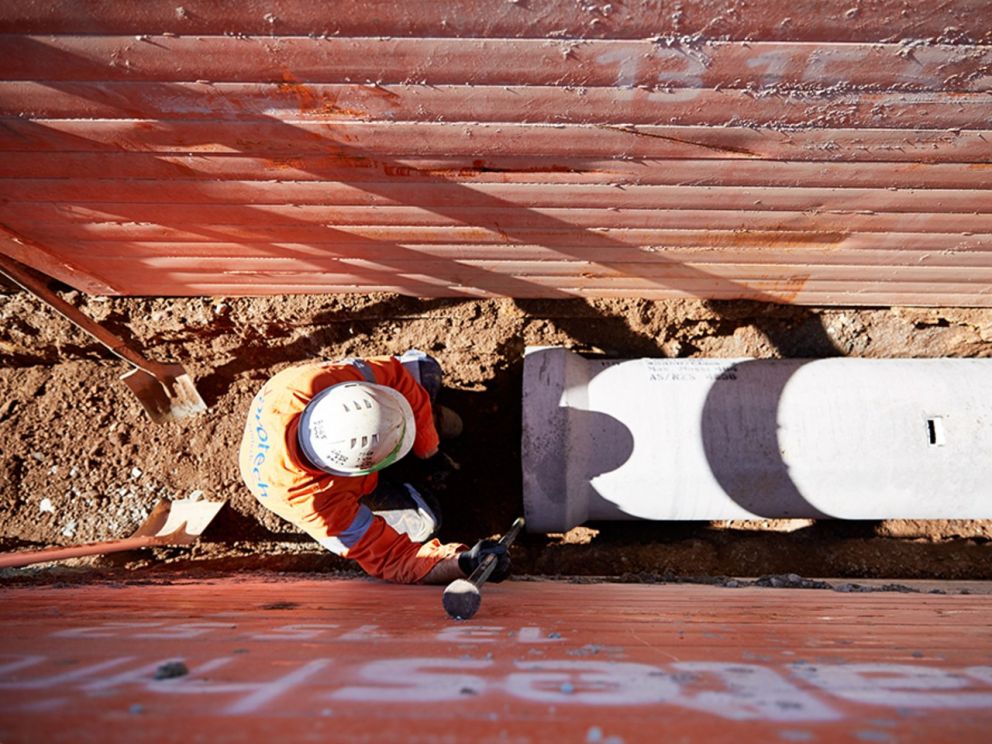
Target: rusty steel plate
{"type": "Point", "coordinates": [353, 660]}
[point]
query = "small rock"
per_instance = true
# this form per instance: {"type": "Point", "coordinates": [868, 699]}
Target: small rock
{"type": "Point", "coordinates": [568, 688]}
{"type": "Point", "coordinates": [135, 473]}
{"type": "Point", "coordinates": [171, 669]}
{"type": "Point", "coordinates": [594, 735]}
{"type": "Point", "coordinates": [844, 588]}
{"type": "Point", "coordinates": [70, 529]}
{"type": "Point", "coordinates": [45, 506]}
{"type": "Point", "coordinates": [554, 636]}
{"type": "Point", "coordinates": [136, 709]}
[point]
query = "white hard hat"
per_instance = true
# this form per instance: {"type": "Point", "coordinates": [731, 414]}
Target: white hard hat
{"type": "Point", "coordinates": [355, 428]}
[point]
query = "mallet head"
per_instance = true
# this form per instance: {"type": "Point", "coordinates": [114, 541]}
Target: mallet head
{"type": "Point", "coordinates": [461, 599]}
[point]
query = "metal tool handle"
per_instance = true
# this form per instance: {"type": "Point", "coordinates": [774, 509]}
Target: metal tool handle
{"type": "Point", "coordinates": [485, 568]}
{"type": "Point", "coordinates": [36, 283]}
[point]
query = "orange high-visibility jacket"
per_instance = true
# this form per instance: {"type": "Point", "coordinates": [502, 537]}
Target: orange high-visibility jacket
{"type": "Point", "coordinates": [327, 506]}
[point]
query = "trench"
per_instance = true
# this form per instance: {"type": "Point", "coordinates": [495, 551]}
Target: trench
{"type": "Point", "coordinates": [81, 463]}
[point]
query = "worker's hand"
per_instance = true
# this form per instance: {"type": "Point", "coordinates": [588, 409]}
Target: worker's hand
{"type": "Point", "coordinates": [431, 473]}
{"type": "Point", "coordinates": [470, 559]}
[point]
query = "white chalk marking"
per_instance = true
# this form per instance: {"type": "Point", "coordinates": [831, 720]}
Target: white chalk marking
{"type": "Point", "coordinates": [300, 632]}
{"type": "Point", "coordinates": [405, 681]}
{"type": "Point", "coordinates": [590, 683]}
{"type": "Point", "coordinates": [751, 692]}
{"type": "Point", "coordinates": [471, 634]}
{"type": "Point", "coordinates": [901, 685]}
{"type": "Point", "coordinates": [269, 691]}
{"type": "Point", "coordinates": [56, 680]}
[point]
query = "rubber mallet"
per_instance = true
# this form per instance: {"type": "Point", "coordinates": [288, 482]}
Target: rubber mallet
{"type": "Point", "coordinates": [462, 597]}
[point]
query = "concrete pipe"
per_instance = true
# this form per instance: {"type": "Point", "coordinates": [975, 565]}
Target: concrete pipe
{"type": "Point", "coordinates": [707, 439]}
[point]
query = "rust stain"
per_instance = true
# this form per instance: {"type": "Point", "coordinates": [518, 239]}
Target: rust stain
{"type": "Point", "coordinates": [306, 99]}
{"type": "Point", "coordinates": [309, 101]}
{"type": "Point", "coordinates": [285, 163]}
{"type": "Point", "coordinates": [400, 170]}
{"type": "Point", "coordinates": [775, 238]}
{"type": "Point", "coordinates": [718, 148]}
{"type": "Point", "coordinates": [328, 107]}
{"type": "Point", "coordinates": [479, 166]}
{"type": "Point", "coordinates": [786, 290]}
{"type": "Point", "coordinates": [320, 166]}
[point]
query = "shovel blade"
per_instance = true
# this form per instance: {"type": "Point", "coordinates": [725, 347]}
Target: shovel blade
{"type": "Point", "coordinates": [179, 522]}
{"type": "Point", "coordinates": [169, 399]}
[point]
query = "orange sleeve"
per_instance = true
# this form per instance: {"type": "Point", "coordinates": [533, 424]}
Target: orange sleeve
{"type": "Point", "coordinates": [389, 555]}
{"type": "Point", "coordinates": [390, 371]}
{"type": "Point", "coordinates": [381, 551]}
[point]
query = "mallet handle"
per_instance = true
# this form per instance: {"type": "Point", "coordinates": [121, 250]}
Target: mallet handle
{"type": "Point", "coordinates": [485, 568]}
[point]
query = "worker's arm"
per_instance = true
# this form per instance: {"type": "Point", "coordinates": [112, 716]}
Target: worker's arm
{"type": "Point", "coordinates": [342, 525]}
{"type": "Point", "coordinates": [387, 554]}
{"type": "Point", "coordinates": [467, 561]}
{"type": "Point", "coordinates": [444, 572]}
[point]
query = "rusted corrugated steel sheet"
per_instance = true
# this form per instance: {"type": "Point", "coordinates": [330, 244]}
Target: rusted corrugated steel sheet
{"type": "Point", "coordinates": [804, 151]}
{"type": "Point", "coordinates": [343, 661]}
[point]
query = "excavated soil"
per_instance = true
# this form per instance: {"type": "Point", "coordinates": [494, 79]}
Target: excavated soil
{"type": "Point", "coordinates": [79, 461]}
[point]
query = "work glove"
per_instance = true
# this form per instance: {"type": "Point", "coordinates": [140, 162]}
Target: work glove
{"type": "Point", "coordinates": [470, 559]}
{"type": "Point", "coordinates": [433, 473]}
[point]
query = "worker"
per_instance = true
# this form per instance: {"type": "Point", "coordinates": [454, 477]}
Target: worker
{"type": "Point", "coordinates": [317, 436]}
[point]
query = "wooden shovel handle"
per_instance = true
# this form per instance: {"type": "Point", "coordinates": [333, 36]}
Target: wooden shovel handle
{"type": "Point", "coordinates": [29, 557]}
{"type": "Point", "coordinates": [37, 284]}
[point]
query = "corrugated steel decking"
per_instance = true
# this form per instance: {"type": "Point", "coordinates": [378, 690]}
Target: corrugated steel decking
{"type": "Point", "coordinates": [808, 152]}
{"type": "Point", "coordinates": [344, 661]}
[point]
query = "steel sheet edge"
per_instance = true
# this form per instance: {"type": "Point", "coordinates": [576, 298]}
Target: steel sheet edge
{"type": "Point", "coordinates": [701, 439]}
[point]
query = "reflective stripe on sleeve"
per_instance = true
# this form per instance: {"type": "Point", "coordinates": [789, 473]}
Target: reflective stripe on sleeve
{"type": "Point", "coordinates": [355, 531]}
{"type": "Point", "coordinates": [363, 368]}
{"type": "Point", "coordinates": [334, 545]}
{"type": "Point", "coordinates": [411, 360]}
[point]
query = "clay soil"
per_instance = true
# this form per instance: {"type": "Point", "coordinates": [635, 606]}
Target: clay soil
{"type": "Point", "coordinates": [79, 461]}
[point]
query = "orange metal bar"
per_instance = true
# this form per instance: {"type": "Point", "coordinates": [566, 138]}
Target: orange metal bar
{"type": "Point", "coordinates": [332, 660]}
